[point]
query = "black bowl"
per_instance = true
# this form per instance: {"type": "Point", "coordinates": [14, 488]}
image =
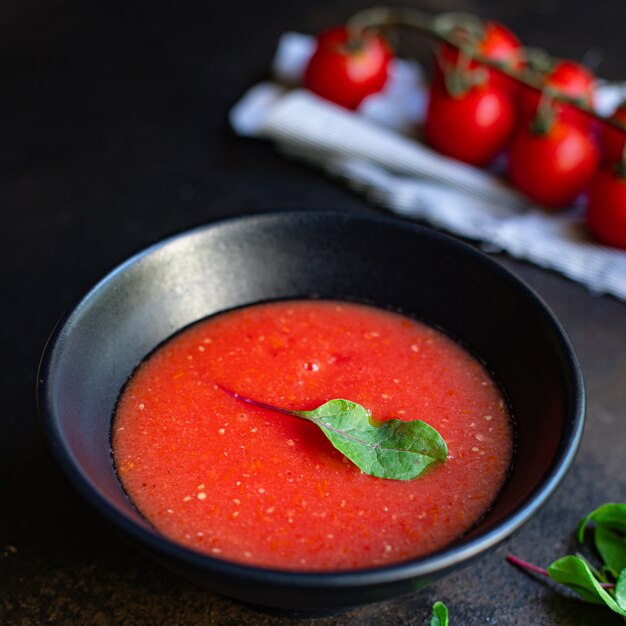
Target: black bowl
{"type": "Point", "coordinates": [312, 254]}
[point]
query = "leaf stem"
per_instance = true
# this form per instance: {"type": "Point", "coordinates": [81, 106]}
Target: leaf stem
{"type": "Point", "coordinates": [392, 449]}
{"type": "Point", "coordinates": [299, 414]}
{"type": "Point", "coordinates": [525, 565]}
{"type": "Point", "coordinates": [256, 403]}
{"type": "Point", "coordinates": [535, 569]}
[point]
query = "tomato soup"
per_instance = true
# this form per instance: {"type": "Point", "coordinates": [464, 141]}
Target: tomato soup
{"type": "Point", "coordinates": [253, 485]}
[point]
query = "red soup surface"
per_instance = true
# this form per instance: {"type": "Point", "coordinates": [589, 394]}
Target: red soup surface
{"type": "Point", "coordinates": [256, 486]}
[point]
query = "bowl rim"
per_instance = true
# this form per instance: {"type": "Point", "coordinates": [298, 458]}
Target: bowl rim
{"type": "Point", "coordinates": [430, 565]}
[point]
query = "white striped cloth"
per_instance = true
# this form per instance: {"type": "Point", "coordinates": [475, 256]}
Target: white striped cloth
{"type": "Point", "coordinates": [374, 152]}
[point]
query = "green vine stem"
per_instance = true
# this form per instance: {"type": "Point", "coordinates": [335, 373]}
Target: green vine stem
{"type": "Point", "coordinates": [443, 27]}
{"type": "Point", "coordinates": [545, 115]}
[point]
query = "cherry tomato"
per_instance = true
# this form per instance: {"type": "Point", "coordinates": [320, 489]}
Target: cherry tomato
{"type": "Point", "coordinates": [473, 126]}
{"type": "Point", "coordinates": [497, 44]}
{"type": "Point", "coordinates": [345, 69]}
{"type": "Point", "coordinates": [606, 208]}
{"type": "Point", "coordinates": [552, 167]}
{"type": "Point", "coordinates": [567, 78]}
{"type": "Point", "coordinates": [612, 139]}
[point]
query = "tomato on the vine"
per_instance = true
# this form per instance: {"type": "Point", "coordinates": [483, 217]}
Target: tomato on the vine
{"type": "Point", "coordinates": [572, 79]}
{"type": "Point", "coordinates": [347, 67]}
{"type": "Point", "coordinates": [566, 78]}
{"type": "Point", "coordinates": [606, 207]}
{"type": "Point", "coordinates": [612, 139]}
{"type": "Point", "coordinates": [553, 166]}
{"type": "Point", "coordinates": [496, 43]}
{"type": "Point", "coordinates": [473, 125]}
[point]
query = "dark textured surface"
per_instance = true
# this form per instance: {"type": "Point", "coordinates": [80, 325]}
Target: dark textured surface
{"type": "Point", "coordinates": [113, 136]}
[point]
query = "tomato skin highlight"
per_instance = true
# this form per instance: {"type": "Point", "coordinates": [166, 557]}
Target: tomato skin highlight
{"type": "Point", "coordinates": [501, 45]}
{"type": "Point", "coordinates": [473, 127]}
{"type": "Point", "coordinates": [606, 208]}
{"type": "Point", "coordinates": [552, 168]}
{"type": "Point", "coordinates": [572, 79]}
{"type": "Point", "coordinates": [346, 71]}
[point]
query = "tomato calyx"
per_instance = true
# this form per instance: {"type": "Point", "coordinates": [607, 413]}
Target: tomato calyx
{"type": "Point", "coordinates": [356, 41]}
{"type": "Point", "coordinates": [474, 52]}
{"type": "Point", "coordinates": [482, 41]}
{"type": "Point", "coordinates": [462, 76]}
{"type": "Point", "coordinates": [546, 114]}
{"type": "Point", "coordinates": [540, 63]}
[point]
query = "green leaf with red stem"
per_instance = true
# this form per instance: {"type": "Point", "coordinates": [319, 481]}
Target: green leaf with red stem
{"type": "Point", "coordinates": [392, 448]}
{"type": "Point", "coordinates": [573, 572]}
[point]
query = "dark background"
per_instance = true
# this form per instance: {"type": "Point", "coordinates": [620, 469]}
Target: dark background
{"type": "Point", "coordinates": [113, 135]}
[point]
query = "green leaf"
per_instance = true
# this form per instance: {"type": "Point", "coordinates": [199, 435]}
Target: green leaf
{"type": "Point", "coordinates": [440, 615]}
{"type": "Point", "coordinates": [574, 573]}
{"type": "Point", "coordinates": [611, 515]}
{"type": "Point", "coordinates": [612, 548]}
{"type": "Point", "coordinates": [597, 573]}
{"type": "Point", "coordinates": [620, 589]}
{"type": "Point", "coordinates": [389, 449]}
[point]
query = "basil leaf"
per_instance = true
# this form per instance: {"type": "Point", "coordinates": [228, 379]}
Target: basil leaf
{"type": "Point", "coordinates": [440, 615]}
{"type": "Point", "coordinates": [574, 573]}
{"type": "Point", "coordinates": [391, 449]}
{"type": "Point", "coordinates": [611, 515]}
{"type": "Point", "coordinates": [612, 548]}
